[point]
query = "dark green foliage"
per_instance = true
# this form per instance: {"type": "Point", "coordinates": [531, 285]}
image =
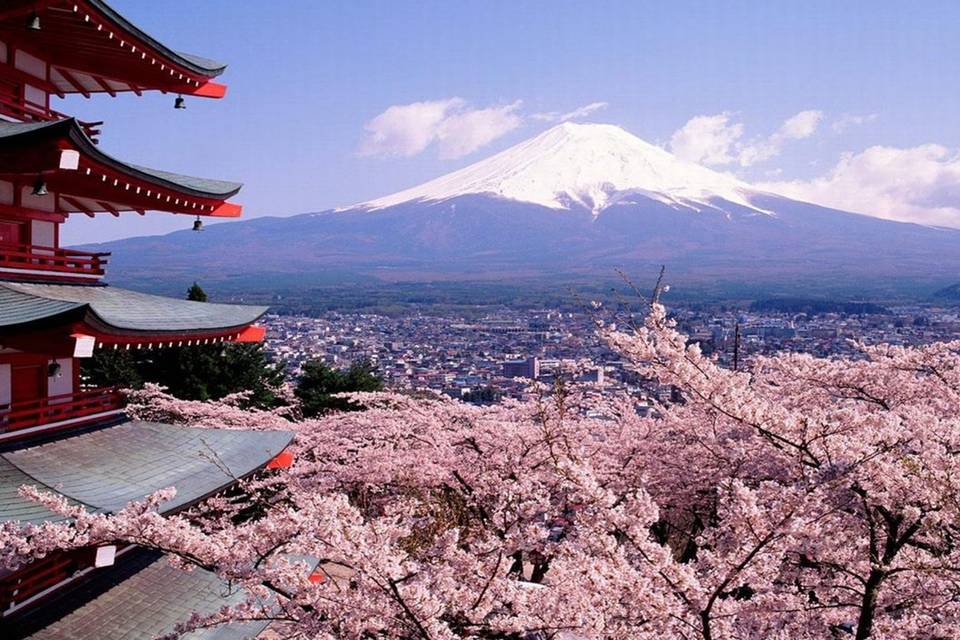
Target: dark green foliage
{"type": "Point", "coordinates": [203, 372]}
{"type": "Point", "coordinates": [948, 293]}
{"type": "Point", "coordinates": [482, 395]}
{"type": "Point", "coordinates": [318, 382]}
{"type": "Point", "coordinates": [196, 293]}
{"type": "Point", "coordinates": [811, 306]}
{"type": "Point", "coordinates": [112, 367]}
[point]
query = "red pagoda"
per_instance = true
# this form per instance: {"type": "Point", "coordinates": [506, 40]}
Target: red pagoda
{"type": "Point", "coordinates": [55, 312]}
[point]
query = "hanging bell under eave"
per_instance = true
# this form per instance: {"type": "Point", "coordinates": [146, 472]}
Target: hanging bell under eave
{"type": "Point", "coordinates": [198, 224]}
{"type": "Point", "coordinates": [179, 103]}
{"type": "Point", "coordinates": [40, 187]}
{"type": "Point", "coordinates": [33, 22]}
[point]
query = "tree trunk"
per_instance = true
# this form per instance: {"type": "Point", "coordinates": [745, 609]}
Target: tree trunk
{"type": "Point", "coordinates": [869, 604]}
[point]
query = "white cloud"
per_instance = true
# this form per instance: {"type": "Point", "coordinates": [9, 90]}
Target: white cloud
{"type": "Point", "coordinates": [409, 129]}
{"type": "Point", "coordinates": [848, 120]}
{"type": "Point", "coordinates": [797, 127]}
{"type": "Point", "coordinates": [919, 184]}
{"type": "Point", "coordinates": [717, 140]}
{"type": "Point", "coordinates": [466, 131]}
{"type": "Point", "coordinates": [802, 125]}
{"type": "Point", "coordinates": [406, 129]}
{"type": "Point", "coordinates": [709, 140]}
{"type": "Point", "coordinates": [580, 112]}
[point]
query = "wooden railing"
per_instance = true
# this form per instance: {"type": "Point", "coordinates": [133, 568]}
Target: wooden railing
{"type": "Point", "coordinates": [59, 408]}
{"type": "Point", "coordinates": [65, 262]}
{"type": "Point", "coordinates": [12, 105]}
{"type": "Point", "coordinates": [35, 578]}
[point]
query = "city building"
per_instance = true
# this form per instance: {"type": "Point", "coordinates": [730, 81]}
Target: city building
{"type": "Point", "coordinates": [55, 312]}
{"type": "Point", "coordinates": [529, 368]}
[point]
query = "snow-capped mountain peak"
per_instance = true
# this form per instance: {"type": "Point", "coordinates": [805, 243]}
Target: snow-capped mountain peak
{"type": "Point", "coordinates": [587, 165]}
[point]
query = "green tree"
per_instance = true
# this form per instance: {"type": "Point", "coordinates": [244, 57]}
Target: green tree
{"type": "Point", "coordinates": [113, 367]}
{"type": "Point", "coordinates": [210, 372]}
{"type": "Point", "coordinates": [196, 293]}
{"type": "Point", "coordinates": [319, 382]}
{"type": "Point", "coordinates": [202, 372]}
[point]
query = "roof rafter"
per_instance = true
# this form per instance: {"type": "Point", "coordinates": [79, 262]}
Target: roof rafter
{"type": "Point", "coordinates": [103, 85]}
{"type": "Point", "coordinates": [78, 205]}
{"type": "Point", "coordinates": [109, 207]}
{"type": "Point", "coordinates": [69, 77]}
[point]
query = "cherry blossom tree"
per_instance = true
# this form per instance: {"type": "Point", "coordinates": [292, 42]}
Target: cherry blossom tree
{"type": "Point", "coordinates": [798, 498]}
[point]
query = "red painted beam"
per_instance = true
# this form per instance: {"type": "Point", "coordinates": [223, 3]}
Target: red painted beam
{"type": "Point", "coordinates": [253, 333]}
{"type": "Point", "coordinates": [25, 9]}
{"type": "Point", "coordinates": [208, 90]}
{"type": "Point", "coordinates": [227, 210]}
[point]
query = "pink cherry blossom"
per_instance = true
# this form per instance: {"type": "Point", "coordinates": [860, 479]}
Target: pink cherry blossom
{"type": "Point", "coordinates": [800, 498]}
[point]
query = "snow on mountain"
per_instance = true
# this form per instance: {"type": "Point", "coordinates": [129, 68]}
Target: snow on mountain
{"type": "Point", "coordinates": [577, 201]}
{"type": "Point", "coordinates": [587, 165]}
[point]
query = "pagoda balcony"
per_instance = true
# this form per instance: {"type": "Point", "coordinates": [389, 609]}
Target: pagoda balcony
{"type": "Point", "coordinates": [12, 106]}
{"type": "Point", "coordinates": [33, 262]}
{"type": "Point", "coordinates": [65, 410]}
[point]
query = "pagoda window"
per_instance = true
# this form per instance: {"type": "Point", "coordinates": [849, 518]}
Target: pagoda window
{"type": "Point", "coordinates": [60, 379]}
{"type": "Point", "coordinates": [43, 233]}
{"type": "Point", "coordinates": [35, 97]}
{"type": "Point", "coordinates": [30, 64]}
{"type": "Point", "coordinates": [5, 379]}
{"type": "Point", "coordinates": [6, 192]}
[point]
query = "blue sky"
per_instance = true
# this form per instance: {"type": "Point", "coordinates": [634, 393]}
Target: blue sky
{"type": "Point", "coordinates": [308, 80]}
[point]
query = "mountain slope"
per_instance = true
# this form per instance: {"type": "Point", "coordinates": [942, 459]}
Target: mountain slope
{"type": "Point", "coordinates": [577, 200]}
{"type": "Point", "coordinates": [586, 165]}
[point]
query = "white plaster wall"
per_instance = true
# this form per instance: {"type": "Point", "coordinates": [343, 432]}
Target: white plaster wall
{"type": "Point", "coordinates": [4, 383]}
{"type": "Point", "coordinates": [6, 192]}
{"type": "Point", "coordinates": [42, 233]}
{"type": "Point", "coordinates": [30, 64]}
{"type": "Point", "coordinates": [35, 96]}
{"type": "Point", "coordinates": [62, 382]}
{"type": "Point", "coordinates": [40, 203]}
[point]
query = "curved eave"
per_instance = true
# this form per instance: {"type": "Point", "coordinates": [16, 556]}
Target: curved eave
{"type": "Point", "coordinates": [188, 185]}
{"type": "Point", "coordinates": [101, 182]}
{"type": "Point", "coordinates": [107, 468]}
{"type": "Point", "coordinates": [118, 316]}
{"type": "Point", "coordinates": [86, 46]}
{"type": "Point", "coordinates": [196, 64]}
{"type": "Point", "coordinates": [138, 601]}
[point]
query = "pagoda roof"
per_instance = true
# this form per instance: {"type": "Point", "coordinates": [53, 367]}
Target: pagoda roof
{"type": "Point", "coordinates": [24, 134]}
{"type": "Point", "coordinates": [91, 48]}
{"type": "Point", "coordinates": [105, 469]}
{"type": "Point", "coordinates": [198, 64]}
{"type": "Point", "coordinates": [116, 311]}
{"type": "Point", "coordinates": [149, 604]}
{"type": "Point", "coordinates": [82, 178]}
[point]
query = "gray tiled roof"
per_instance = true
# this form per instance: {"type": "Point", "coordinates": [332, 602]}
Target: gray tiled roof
{"type": "Point", "coordinates": [150, 604]}
{"type": "Point", "coordinates": [107, 468]}
{"type": "Point", "coordinates": [17, 307]}
{"type": "Point", "coordinates": [12, 506]}
{"type": "Point", "coordinates": [20, 133]}
{"type": "Point", "coordinates": [193, 62]}
{"type": "Point", "coordinates": [119, 308]}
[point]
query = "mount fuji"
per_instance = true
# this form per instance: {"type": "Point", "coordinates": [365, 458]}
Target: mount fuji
{"type": "Point", "coordinates": [578, 200]}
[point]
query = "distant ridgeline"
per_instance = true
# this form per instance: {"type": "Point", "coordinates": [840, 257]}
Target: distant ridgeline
{"type": "Point", "coordinates": [951, 293]}
{"type": "Point", "coordinates": [806, 305]}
